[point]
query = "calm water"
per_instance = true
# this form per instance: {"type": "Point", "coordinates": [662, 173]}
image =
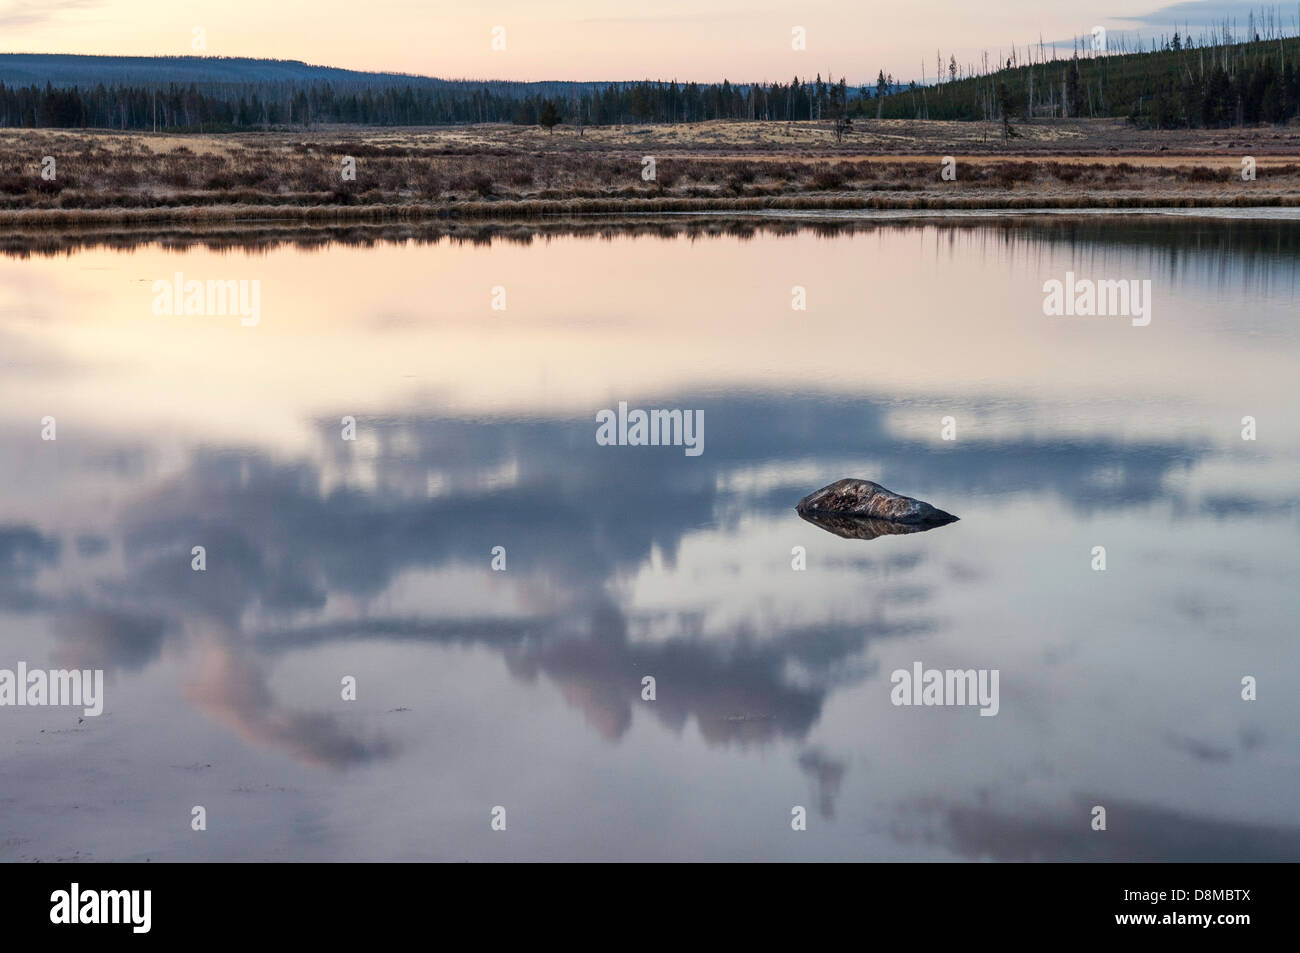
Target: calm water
{"type": "Point", "coordinates": [475, 428]}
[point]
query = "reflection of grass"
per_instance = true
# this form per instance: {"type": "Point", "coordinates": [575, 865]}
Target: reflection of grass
{"type": "Point", "coordinates": [1204, 237]}
{"type": "Point", "coordinates": [541, 208]}
{"type": "Point", "coordinates": [513, 172]}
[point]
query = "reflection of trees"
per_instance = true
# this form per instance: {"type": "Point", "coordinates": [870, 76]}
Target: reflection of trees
{"type": "Point", "coordinates": [1206, 250]}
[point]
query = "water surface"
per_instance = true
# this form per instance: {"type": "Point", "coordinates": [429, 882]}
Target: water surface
{"type": "Point", "coordinates": [521, 688]}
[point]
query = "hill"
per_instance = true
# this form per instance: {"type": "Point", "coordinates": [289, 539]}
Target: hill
{"type": "Point", "coordinates": [217, 73]}
{"type": "Point", "coordinates": [1207, 84]}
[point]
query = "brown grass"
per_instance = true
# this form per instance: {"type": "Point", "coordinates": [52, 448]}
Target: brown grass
{"type": "Point", "coordinates": [512, 172]}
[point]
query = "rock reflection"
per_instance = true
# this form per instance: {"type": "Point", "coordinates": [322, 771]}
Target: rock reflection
{"type": "Point", "coordinates": [861, 527]}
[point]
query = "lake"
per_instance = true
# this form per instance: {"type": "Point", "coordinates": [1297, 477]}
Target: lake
{"type": "Point", "coordinates": [424, 591]}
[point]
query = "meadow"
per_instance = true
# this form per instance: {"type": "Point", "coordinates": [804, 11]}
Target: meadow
{"type": "Point", "coordinates": [340, 174]}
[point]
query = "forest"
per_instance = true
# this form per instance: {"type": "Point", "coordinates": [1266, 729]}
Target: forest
{"type": "Point", "coordinates": [1183, 83]}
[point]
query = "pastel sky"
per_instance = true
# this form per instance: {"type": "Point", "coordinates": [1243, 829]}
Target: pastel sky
{"type": "Point", "coordinates": [741, 40]}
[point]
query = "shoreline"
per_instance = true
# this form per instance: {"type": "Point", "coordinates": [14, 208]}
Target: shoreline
{"type": "Point", "coordinates": [543, 209]}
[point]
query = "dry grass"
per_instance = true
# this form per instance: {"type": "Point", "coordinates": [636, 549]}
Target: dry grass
{"type": "Point", "coordinates": [512, 172]}
{"type": "Point", "coordinates": [801, 139]}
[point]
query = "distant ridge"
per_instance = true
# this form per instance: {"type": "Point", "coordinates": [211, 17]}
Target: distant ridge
{"type": "Point", "coordinates": [65, 70]}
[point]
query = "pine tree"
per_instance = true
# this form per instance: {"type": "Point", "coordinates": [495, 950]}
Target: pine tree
{"type": "Point", "coordinates": [549, 117]}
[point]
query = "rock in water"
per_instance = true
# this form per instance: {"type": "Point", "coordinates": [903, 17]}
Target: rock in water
{"type": "Point", "coordinates": [864, 500]}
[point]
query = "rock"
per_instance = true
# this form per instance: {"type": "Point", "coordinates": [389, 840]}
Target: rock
{"type": "Point", "coordinates": [865, 504]}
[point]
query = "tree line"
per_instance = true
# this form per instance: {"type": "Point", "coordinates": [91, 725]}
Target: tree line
{"type": "Point", "coordinates": [193, 108]}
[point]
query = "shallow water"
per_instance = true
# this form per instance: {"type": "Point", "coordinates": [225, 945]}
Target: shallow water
{"type": "Point", "coordinates": [522, 688]}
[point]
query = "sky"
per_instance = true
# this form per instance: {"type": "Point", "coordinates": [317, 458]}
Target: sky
{"type": "Point", "coordinates": [701, 40]}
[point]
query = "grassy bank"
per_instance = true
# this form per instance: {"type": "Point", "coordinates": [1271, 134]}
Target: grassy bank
{"type": "Point", "coordinates": [513, 173]}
